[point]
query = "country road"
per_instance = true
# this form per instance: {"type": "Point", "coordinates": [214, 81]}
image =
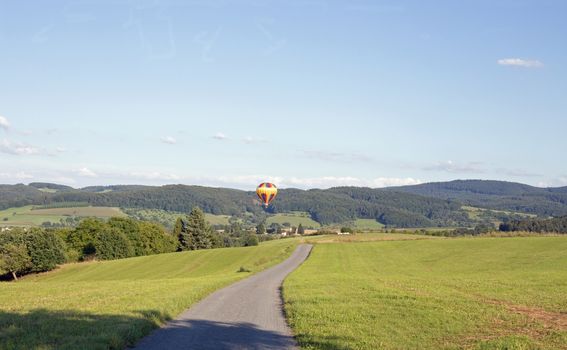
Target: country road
{"type": "Point", "coordinates": [245, 315]}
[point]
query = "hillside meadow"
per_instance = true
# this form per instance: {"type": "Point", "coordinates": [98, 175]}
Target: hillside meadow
{"type": "Point", "coordinates": [31, 216]}
{"type": "Point", "coordinates": [102, 305]}
{"type": "Point", "coordinates": [465, 293]}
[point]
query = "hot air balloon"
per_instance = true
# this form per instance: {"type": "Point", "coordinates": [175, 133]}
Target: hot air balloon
{"type": "Point", "coordinates": [266, 192]}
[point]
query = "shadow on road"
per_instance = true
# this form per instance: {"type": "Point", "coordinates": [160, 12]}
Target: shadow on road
{"type": "Point", "coordinates": [201, 334]}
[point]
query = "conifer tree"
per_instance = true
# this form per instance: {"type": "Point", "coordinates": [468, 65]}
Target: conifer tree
{"type": "Point", "coordinates": [195, 233]}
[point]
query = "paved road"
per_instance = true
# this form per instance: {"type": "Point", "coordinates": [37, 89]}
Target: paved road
{"type": "Point", "coordinates": [245, 315]}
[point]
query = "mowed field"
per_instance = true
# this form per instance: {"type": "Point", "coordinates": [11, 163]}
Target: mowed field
{"type": "Point", "coordinates": [29, 216]}
{"type": "Point", "coordinates": [471, 293]}
{"type": "Point", "coordinates": [294, 219]}
{"type": "Point", "coordinates": [109, 305]}
{"type": "Point", "coordinates": [368, 224]}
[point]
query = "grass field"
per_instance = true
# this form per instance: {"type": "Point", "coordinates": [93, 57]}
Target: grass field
{"type": "Point", "coordinates": [28, 216]}
{"type": "Point", "coordinates": [367, 224]}
{"type": "Point", "coordinates": [294, 219]}
{"type": "Point", "coordinates": [168, 218]}
{"type": "Point", "coordinates": [471, 293]}
{"type": "Point", "coordinates": [102, 305]}
{"type": "Point", "coordinates": [365, 237]}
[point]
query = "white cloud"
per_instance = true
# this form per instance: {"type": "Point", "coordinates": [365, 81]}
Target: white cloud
{"type": "Point", "coordinates": [249, 181]}
{"type": "Point", "coordinates": [154, 175]}
{"type": "Point", "coordinates": [336, 156]}
{"type": "Point", "coordinates": [518, 62]}
{"type": "Point", "coordinates": [86, 172]}
{"type": "Point", "coordinates": [61, 149]}
{"type": "Point", "coordinates": [4, 123]}
{"type": "Point", "coordinates": [17, 148]}
{"type": "Point", "coordinates": [220, 136]}
{"type": "Point", "coordinates": [16, 176]}
{"type": "Point", "coordinates": [251, 140]}
{"type": "Point", "coordinates": [394, 181]}
{"type": "Point", "coordinates": [453, 167]}
{"type": "Point", "coordinates": [560, 181]}
{"type": "Point", "coordinates": [169, 140]}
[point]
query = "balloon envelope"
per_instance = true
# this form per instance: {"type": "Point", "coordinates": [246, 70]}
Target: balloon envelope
{"type": "Point", "coordinates": [266, 191]}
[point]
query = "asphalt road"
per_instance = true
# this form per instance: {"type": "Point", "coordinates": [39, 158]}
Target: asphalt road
{"type": "Point", "coordinates": [245, 315]}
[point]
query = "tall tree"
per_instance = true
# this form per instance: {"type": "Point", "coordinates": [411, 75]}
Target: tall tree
{"type": "Point", "coordinates": [196, 233]}
{"type": "Point", "coordinates": [260, 229]}
{"type": "Point", "coordinates": [300, 230]}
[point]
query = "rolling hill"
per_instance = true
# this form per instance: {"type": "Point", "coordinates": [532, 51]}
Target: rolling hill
{"type": "Point", "coordinates": [426, 205]}
{"type": "Point", "coordinates": [498, 195]}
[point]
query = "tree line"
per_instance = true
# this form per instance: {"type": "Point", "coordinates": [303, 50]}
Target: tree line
{"type": "Point", "coordinates": [553, 225]}
{"type": "Point", "coordinates": [331, 206]}
{"type": "Point", "coordinates": [38, 249]}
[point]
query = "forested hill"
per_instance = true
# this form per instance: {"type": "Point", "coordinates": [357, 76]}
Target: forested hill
{"type": "Point", "coordinates": [496, 195]}
{"type": "Point", "coordinates": [435, 204]}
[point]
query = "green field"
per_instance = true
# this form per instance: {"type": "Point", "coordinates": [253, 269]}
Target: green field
{"type": "Point", "coordinates": [472, 293]}
{"type": "Point", "coordinates": [294, 219]}
{"type": "Point", "coordinates": [111, 304]}
{"type": "Point", "coordinates": [367, 224]}
{"type": "Point", "coordinates": [365, 237]}
{"type": "Point", "coordinates": [28, 216]}
{"type": "Point", "coordinates": [168, 218]}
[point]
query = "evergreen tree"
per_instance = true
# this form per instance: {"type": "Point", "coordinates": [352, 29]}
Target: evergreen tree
{"type": "Point", "coordinates": [300, 230]}
{"type": "Point", "coordinates": [260, 229]}
{"type": "Point", "coordinates": [196, 233]}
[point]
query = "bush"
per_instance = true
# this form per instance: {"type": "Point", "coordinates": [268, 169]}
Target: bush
{"type": "Point", "coordinates": [250, 240]}
{"type": "Point", "coordinates": [45, 249]}
{"type": "Point", "coordinates": [111, 244]}
{"type": "Point", "coordinates": [346, 230]}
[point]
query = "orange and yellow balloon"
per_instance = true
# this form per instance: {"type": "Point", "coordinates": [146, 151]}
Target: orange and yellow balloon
{"type": "Point", "coordinates": [266, 191]}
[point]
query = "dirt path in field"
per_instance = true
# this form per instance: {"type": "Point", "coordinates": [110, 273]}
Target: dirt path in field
{"type": "Point", "coordinates": [245, 315]}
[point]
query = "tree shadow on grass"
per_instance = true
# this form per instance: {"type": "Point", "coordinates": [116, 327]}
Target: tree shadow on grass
{"type": "Point", "coordinates": [49, 329]}
{"type": "Point", "coordinates": [211, 335]}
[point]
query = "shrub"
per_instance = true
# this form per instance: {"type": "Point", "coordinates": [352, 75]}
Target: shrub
{"type": "Point", "coordinates": [45, 249]}
{"type": "Point", "coordinates": [250, 240]}
{"type": "Point", "coordinates": [111, 244]}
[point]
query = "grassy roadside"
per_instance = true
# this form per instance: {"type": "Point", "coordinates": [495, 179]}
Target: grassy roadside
{"type": "Point", "coordinates": [112, 304]}
{"type": "Point", "coordinates": [480, 293]}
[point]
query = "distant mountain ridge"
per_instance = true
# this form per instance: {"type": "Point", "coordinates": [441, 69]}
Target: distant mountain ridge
{"type": "Point", "coordinates": [499, 195]}
{"type": "Point", "coordinates": [425, 205]}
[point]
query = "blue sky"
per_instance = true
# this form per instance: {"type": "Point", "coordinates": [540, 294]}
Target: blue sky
{"type": "Point", "coordinates": [304, 93]}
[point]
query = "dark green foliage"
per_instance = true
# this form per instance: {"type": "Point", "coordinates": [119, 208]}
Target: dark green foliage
{"type": "Point", "coordinates": [499, 195]}
{"type": "Point", "coordinates": [14, 259]}
{"type": "Point", "coordinates": [435, 204]}
{"type": "Point", "coordinates": [178, 228]}
{"type": "Point", "coordinates": [554, 225]}
{"type": "Point", "coordinates": [346, 230]}
{"type": "Point", "coordinates": [81, 239]}
{"type": "Point", "coordinates": [45, 249]}
{"type": "Point", "coordinates": [250, 240]}
{"type": "Point", "coordinates": [131, 229]}
{"type": "Point", "coordinates": [110, 243]}
{"type": "Point", "coordinates": [196, 233]}
{"type": "Point", "coordinates": [260, 229]}
{"type": "Point", "coordinates": [153, 239]}
{"type": "Point", "coordinates": [35, 250]}
{"type": "Point", "coordinates": [300, 230]}
{"type": "Point", "coordinates": [143, 238]}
